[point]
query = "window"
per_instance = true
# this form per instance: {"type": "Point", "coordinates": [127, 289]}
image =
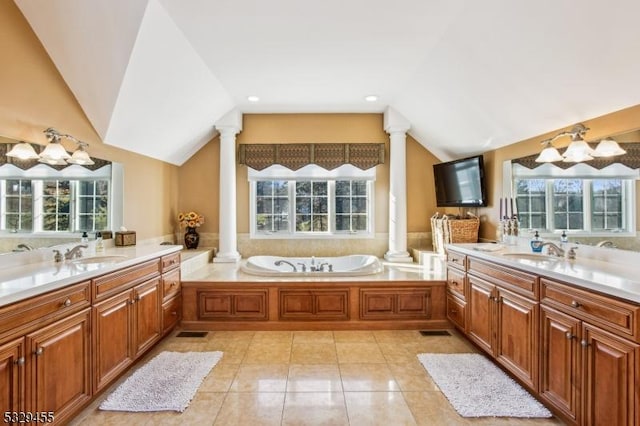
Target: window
{"type": "Point", "coordinates": [54, 205]}
{"type": "Point", "coordinates": [579, 205]}
{"type": "Point", "coordinates": [311, 202]}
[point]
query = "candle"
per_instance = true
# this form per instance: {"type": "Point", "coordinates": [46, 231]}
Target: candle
{"type": "Point", "coordinates": [511, 203]}
{"type": "Point", "coordinates": [501, 212]}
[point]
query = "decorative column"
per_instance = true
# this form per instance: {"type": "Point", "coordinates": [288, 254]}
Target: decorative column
{"type": "Point", "coordinates": [397, 126]}
{"type": "Point", "coordinates": [228, 127]}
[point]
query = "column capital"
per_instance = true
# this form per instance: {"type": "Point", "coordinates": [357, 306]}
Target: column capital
{"type": "Point", "coordinates": [230, 123]}
{"type": "Point", "coordinates": [394, 122]}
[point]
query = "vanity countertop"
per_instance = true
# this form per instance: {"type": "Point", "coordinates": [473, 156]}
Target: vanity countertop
{"type": "Point", "coordinates": [24, 281]}
{"type": "Point", "coordinates": [597, 272]}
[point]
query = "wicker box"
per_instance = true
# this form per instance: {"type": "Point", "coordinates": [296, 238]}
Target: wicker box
{"type": "Point", "coordinates": [125, 238]}
{"type": "Point", "coordinates": [451, 229]}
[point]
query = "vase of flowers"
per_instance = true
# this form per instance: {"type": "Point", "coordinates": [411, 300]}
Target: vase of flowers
{"type": "Point", "coordinates": [191, 221]}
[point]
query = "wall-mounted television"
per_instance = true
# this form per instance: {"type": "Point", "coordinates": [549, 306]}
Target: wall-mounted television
{"type": "Point", "coordinates": [460, 183]}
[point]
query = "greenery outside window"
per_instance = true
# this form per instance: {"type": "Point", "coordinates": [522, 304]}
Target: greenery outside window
{"type": "Point", "coordinates": [305, 204]}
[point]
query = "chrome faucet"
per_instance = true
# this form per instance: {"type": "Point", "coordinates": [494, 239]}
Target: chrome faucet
{"type": "Point", "coordinates": [553, 249]}
{"type": "Point", "coordinates": [75, 252]}
{"type": "Point", "coordinates": [281, 261]}
{"type": "Point", "coordinates": [24, 246]}
{"type": "Point", "coordinates": [321, 266]}
{"type": "Point", "coordinates": [303, 266]}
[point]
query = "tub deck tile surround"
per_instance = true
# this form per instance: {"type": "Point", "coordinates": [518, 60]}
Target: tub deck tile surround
{"type": "Point", "coordinates": [303, 389]}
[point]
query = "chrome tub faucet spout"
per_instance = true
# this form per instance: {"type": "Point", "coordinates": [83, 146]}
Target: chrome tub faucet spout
{"type": "Point", "coordinates": [281, 261]}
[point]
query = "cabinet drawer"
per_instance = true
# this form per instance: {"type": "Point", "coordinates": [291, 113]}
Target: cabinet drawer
{"type": "Point", "coordinates": [456, 311]}
{"type": "Point", "coordinates": [457, 260]}
{"type": "Point", "coordinates": [39, 310]}
{"type": "Point", "coordinates": [170, 261]}
{"type": "Point", "coordinates": [617, 316]}
{"type": "Point", "coordinates": [171, 313]}
{"type": "Point", "coordinates": [170, 284]}
{"type": "Point", "coordinates": [455, 282]}
{"type": "Point", "coordinates": [514, 279]}
{"type": "Point", "coordinates": [122, 279]}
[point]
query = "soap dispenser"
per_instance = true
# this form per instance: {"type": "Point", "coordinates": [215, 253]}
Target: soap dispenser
{"type": "Point", "coordinates": [564, 238]}
{"type": "Point", "coordinates": [99, 242]}
{"type": "Point", "coordinates": [536, 243]}
{"type": "Point", "coordinates": [85, 238]}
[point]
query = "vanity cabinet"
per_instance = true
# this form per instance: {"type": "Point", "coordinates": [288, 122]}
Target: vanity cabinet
{"type": "Point", "coordinates": [457, 290]}
{"type": "Point", "coordinates": [45, 362]}
{"type": "Point", "coordinates": [125, 326]}
{"type": "Point", "coordinates": [590, 355]}
{"type": "Point", "coordinates": [171, 292]}
{"type": "Point", "coordinates": [503, 317]}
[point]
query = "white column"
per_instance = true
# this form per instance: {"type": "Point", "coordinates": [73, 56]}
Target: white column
{"type": "Point", "coordinates": [397, 127]}
{"type": "Point", "coordinates": [229, 126]}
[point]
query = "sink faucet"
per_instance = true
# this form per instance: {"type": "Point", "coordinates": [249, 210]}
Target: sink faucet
{"type": "Point", "coordinates": [604, 243]}
{"type": "Point", "coordinates": [24, 246]}
{"type": "Point", "coordinates": [281, 261]}
{"type": "Point", "coordinates": [75, 252]}
{"type": "Point", "coordinates": [553, 249]}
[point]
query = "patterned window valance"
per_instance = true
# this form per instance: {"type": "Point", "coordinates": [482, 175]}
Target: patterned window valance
{"type": "Point", "coordinates": [297, 155]}
{"type": "Point", "coordinates": [631, 159]}
{"type": "Point", "coordinates": [27, 164]}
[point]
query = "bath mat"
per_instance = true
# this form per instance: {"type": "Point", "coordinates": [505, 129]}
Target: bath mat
{"type": "Point", "coordinates": [477, 388]}
{"type": "Point", "coordinates": [166, 383]}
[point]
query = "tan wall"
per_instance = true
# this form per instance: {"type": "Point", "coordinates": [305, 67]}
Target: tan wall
{"type": "Point", "coordinates": [199, 176]}
{"type": "Point", "coordinates": [619, 122]}
{"type": "Point", "coordinates": [34, 97]}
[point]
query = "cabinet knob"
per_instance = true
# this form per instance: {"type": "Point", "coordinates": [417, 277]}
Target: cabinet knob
{"type": "Point", "coordinates": [39, 351]}
{"type": "Point", "coordinates": [173, 284]}
{"type": "Point", "coordinates": [575, 304]}
{"type": "Point", "coordinates": [584, 343]}
{"type": "Point", "coordinates": [131, 302]}
{"type": "Point", "coordinates": [137, 298]}
{"type": "Point", "coordinates": [570, 335]}
{"type": "Point", "coordinates": [20, 361]}
{"type": "Point", "coordinates": [174, 313]}
{"type": "Point", "coordinates": [66, 303]}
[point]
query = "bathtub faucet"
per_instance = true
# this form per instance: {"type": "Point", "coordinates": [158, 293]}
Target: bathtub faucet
{"type": "Point", "coordinates": [281, 261]}
{"type": "Point", "coordinates": [329, 266]}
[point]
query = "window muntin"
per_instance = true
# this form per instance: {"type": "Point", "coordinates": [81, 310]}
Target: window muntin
{"type": "Point", "coordinates": [54, 205]}
{"type": "Point", "coordinates": [352, 205]}
{"type": "Point", "coordinates": [312, 206]}
{"type": "Point", "coordinates": [575, 204]}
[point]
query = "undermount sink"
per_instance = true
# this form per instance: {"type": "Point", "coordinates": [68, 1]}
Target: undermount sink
{"type": "Point", "coordinates": [99, 260]}
{"type": "Point", "coordinates": [538, 257]}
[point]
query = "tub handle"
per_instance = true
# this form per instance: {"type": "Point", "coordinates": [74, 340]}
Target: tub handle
{"type": "Point", "coordinates": [303, 266]}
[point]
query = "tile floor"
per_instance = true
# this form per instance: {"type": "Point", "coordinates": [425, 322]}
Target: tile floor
{"type": "Point", "coordinates": [312, 378]}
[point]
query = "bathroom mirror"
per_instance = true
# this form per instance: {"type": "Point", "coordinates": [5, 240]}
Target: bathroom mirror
{"type": "Point", "coordinates": [41, 205]}
{"type": "Point", "coordinates": [595, 206]}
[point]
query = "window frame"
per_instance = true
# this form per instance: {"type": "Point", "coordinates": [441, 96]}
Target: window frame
{"type": "Point", "coordinates": [312, 173]}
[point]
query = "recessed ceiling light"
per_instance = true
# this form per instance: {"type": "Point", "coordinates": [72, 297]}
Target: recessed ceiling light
{"type": "Point", "coordinates": [253, 98]}
{"type": "Point", "coordinates": [371, 98]}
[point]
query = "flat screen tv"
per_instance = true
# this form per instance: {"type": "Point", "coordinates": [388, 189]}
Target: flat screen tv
{"type": "Point", "coordinates": [460, 183]}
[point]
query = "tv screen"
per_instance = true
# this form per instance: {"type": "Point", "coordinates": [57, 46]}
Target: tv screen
{"type": "Point", "coordinates": [460, 183]}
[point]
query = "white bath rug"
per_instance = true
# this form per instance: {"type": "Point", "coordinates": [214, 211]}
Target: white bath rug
{"type": "Point", "coordinates": [166, 383]}
{"type": "Point", "coordinates": [477, 388]}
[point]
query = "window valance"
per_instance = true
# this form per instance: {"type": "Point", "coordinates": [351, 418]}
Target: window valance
{"type": "Point", "coordinates": [297, 155]}
{"type": "Point", "coordinates": [27, 164]}
{"type": "Point", "coordinates": [631, 159]}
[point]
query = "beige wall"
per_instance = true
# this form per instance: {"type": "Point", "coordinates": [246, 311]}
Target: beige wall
{"type": "Point", "coordinates": [34, 97]}
{"type": "Point", "coordinates": [199, 176]}
{"type": "Point", "coordinates": [622, 121]}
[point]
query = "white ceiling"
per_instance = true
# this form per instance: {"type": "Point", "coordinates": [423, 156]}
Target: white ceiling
{"type": "Point", "coordinates": [153, 76]}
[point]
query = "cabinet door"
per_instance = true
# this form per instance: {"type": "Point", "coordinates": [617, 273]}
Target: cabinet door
{"type": "Point", "coordinates": [560, 373]}
{"type": "Point", "coordinates": [516, 346]}
{"type": "Point", "coordinates": [481, 307]}
{"type": "Point", "coordinates": [59, 367]}
{"type": "Point", "coordinates": [112, 337]}
{"type": "Point", "coordinates": [147, 314]}
{"type": "Point", "coordinates": [12, 376]}
{"type": "Point", "coordinates": [610, 373]}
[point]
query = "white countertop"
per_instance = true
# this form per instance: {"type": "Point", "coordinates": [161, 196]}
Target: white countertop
{"type": "Point", "coordinates": [230, 272]}
{"type": "Point", "coordinates": [24, 281]}
{"type": "Point", "coordinates": [597, 272]}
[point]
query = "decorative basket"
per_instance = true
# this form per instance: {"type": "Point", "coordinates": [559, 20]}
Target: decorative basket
{"type": "Point", "coordinates": [451, 229]}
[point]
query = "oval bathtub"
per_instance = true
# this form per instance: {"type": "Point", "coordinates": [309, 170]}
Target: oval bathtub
{"type": "Point", "coordinates": [343, 266]}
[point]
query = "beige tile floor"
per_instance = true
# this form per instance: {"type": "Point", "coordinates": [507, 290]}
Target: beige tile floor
{"type": "Point", "coordinates": [311, 378]}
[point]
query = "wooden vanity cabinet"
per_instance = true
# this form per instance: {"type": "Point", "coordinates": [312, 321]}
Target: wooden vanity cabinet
{"type": "Point", "coordinates": [45, 362]}
{"type": "Point", "coordinates": [503, 318]}
{"type": "Point", "coordinates": [125, 326]}
{"type": "Point", "coordinates": [590, 356]}
{"type": "Point", "coordinates": [457, 290]}
{"type": "Point", "coordinates": [171, 292]}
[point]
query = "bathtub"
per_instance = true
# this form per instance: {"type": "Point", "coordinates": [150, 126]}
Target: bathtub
{"type": "Point", "coordinates": [343, 266]}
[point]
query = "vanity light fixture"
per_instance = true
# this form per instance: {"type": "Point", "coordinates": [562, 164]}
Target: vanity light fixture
{"type": "Point", "coordinates": [80, 156]}
{"type": "Point", "coordinates": [54, 153]}
{"type": "Point", "coordinates": [23, 151]}
{"type": "Point", "coordinates": [578, 150]}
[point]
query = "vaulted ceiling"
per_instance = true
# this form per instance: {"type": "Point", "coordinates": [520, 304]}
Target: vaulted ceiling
{"type": "Point", "coordinates": [153, 76]}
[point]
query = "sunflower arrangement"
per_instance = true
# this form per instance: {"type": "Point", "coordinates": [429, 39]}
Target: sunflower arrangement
{"type": "Point", "coordinates": [190, 220]}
